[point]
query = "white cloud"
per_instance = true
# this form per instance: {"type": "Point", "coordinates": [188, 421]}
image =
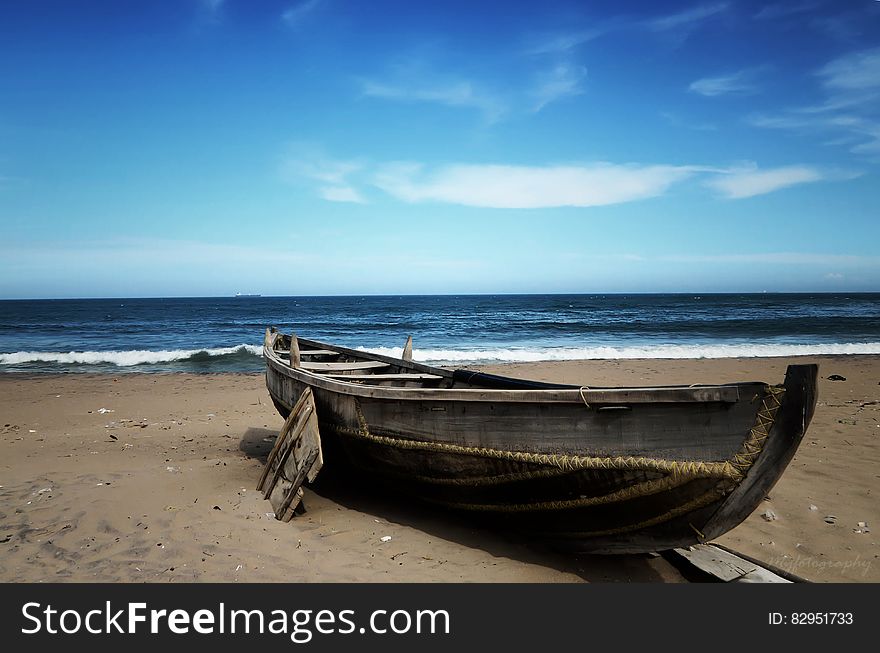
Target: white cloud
{"type": "Point", "coordinates": [738, 183]}
{"type": "Point", "coordinates": [563, 42]}
{"type": "Point", "coordinates": [779, 258]}
{"type": "Point", "coordinates": [322, 169]}
{"type": "Point", "coordinates": [857, 71]}
{"type": "Point", "coordinates": [528, 187]}
{"type": "Point", "coordinates": [341, 194]}
{"type": "Point", "coordinates": [211, 6]}
{"type": "Point", "coordinates": [309, 162]}
{"type": "Point", "coordinates": [687, 18]}
{"type": "Point", "coordinates": [455, 93]}
{"type": "Point", "coordinates": [784, 121]}
{"type": "Point", "coordinates": [849, 111]}
{"type": "Point", "coordinates": [561, 81]}
{"type": "Point", "coordinates": [734, 84]}
{"type": "Point", "coordinates": [295, 14]}
{"type": "Point", "coordinates": [676, 121]}
{"type": "Point", "coordinates": [210, 12]}
{"type": "Point", "coordinates": [784, 9]}
{"type": "Point", "coordinates": [541, 186]}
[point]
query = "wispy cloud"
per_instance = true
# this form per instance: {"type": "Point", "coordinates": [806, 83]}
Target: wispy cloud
{"type": "Point", "coordinates": [869, 130]}
{"type": "Point", "coordinates": [562, 42]}
{"type": "Point", "coordinates": [738, 83]}
{"type": "Point", "coordinates": [504, 186]}
{"type": "Point", "coordinates": [688, 18]}
{"type": "Point", "coordinates": [341, 194]}
{"type": "Point", "coordinates": [749, 181]}
{"type": "Point", "coordinates": [561, 81]}
{"type": "Point", "coordinates": [451, 93]}
{"type": "Point", "coordinates": [781, 258]}
{"type": "Point", "coordinates": [334, 175]}
{"type": "Point", "coordinates": [850, 111]}
{"type": "Point", "coordinates": [784, 9]}
{"type": "Point", "coordinates": [296, 14]}
{"type": "Point", "coordinates": [528, 187]}
{"type": "Point", "coordinates": [210, 11]}
{"type": "Point", "coordinates": [857, 71]}
{"type": "Point", "coordinates": [858, 22]}
{"type": "Point", "coordinates": [860, 134]}
{"type": "Point", "coordinates": [676, 121]}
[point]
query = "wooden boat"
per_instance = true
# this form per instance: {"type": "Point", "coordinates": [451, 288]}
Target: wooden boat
{"type": "Point", "coordinates": [590, 468]}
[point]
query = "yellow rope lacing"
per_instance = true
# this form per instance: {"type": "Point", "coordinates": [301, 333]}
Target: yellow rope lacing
{"type": "Point", "coordinates": [678, 472]}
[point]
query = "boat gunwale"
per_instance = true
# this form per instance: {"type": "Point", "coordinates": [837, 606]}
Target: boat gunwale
{"type": "Point", "coordinates": [727, 393]}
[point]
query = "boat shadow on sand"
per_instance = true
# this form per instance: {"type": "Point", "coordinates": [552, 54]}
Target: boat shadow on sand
{"type": "Point", "coordinates": [347, 492]}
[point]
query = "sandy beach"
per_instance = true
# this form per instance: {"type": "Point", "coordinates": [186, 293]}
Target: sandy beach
{"type": "Point", "coordinates": [150, 478]}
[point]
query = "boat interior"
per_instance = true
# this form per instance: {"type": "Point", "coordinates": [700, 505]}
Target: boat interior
{"type": "Point", "coordinates": [354, 366]}
{"type": "Point", "coordinates": [367, 368]}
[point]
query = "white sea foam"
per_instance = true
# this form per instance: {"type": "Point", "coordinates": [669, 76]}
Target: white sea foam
{"type": "Point", "coordinates": [122, 358]}
{"type": "Point", "coordinates": [524, 355]}
{"type": "Point", "coordinates": [132, 358]}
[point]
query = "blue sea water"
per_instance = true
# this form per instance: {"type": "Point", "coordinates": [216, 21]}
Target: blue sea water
{"type": "Point", "coordinates": [225, 334]}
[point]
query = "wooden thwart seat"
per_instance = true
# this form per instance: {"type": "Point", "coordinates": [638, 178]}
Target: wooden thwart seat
{"type": "Point", "coordinates": [310, 352]}
{"type": "Point", "coordinates": [342, 367]}
{"type": "Point", "coordinates": [386, 377]}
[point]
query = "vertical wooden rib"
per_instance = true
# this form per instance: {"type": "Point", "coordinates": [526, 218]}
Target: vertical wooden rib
{"type": "Point", "coordinates": [294, 351]}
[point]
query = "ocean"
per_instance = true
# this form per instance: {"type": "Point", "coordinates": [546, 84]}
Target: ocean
{"type": "Point", "coordinates": [225, 334]}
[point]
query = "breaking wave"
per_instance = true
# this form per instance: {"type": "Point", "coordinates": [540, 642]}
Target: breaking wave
{"type": "Point", "coordinates": [525, 355]}
{"type": "Point", "coordinates": [132, 358]}
{"type": "Point", "coordinates": [247, 357]}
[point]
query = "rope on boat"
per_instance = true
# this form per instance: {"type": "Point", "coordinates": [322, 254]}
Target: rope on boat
{"type": "Point", "coordinates": [754, 444]}
{"type": "Point", "coordinates": [733, 469]}
{"type": "Point", "coordinates": [677, 472]}
{"type": "Point", "coordinates": [583, 397]}
{"type": "Point", "coordinates": [694, 504]}
{"type": "Point", "coordinates": [478, 481]}
{"type": "Point", "coordinates": [562, 462]}
{"type": "Point", "coordinates": [631, 492]}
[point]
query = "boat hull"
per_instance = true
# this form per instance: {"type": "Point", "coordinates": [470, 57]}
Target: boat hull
{"type": "Point", "coordinates": [611, 478]}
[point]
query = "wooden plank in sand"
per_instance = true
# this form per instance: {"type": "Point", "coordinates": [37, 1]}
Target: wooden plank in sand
{"type": "Point", "coordinates": [295, 458]}
{"type": "Point", "coordinates": [726, 566]}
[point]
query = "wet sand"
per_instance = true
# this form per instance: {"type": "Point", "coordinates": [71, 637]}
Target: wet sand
{"type": "Point", "coordinates": [159, 488]}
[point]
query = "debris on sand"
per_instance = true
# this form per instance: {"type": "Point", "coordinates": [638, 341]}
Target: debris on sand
{"type": "Point", "coordinates": [769, 515]}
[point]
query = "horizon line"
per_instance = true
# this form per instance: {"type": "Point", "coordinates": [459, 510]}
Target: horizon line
{"type": "Point", "coordinates": [450, 294]}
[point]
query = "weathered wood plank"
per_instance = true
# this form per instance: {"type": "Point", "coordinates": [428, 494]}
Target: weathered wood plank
{"type": "Point", "coordinates": [318, 366]}
{"type": "Point", "coordinates": [407, 349]}
{"type": "Point", "coordinates": [309, 352]}
{"type": "Point", "coordinates": [715, 562]}
{"type": "Point", "coordinates": [279, 440]}
{"type": "Point", "coordinates": [294, 351]}
{"type": "Point", "coordinates": [727, 566]}
{"type": "Point", "coordinates": [385, 377]}
{"type": "Point", "coordinates": [295, 458]}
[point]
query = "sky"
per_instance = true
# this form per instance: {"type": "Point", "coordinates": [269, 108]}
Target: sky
{"type": "Point", "coordinates": [320, 147]}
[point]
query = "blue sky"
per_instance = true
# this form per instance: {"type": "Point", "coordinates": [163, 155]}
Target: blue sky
{"type": "Point", "coordinates": [207, 147]}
